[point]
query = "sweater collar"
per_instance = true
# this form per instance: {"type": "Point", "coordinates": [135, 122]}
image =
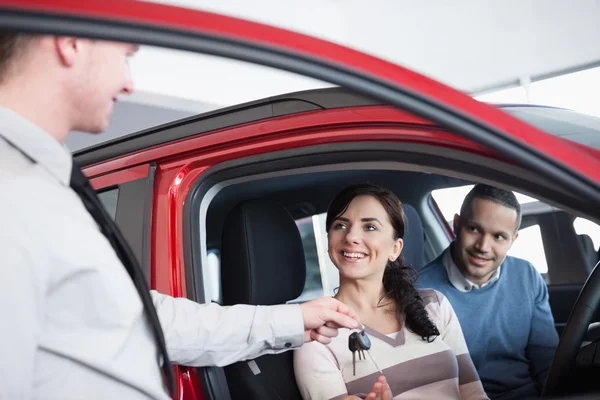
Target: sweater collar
{"type": "Point", "coordinates": [457, 278]}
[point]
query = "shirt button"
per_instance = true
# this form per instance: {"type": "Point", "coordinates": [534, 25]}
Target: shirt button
{"type": "Point", "coordinates": [288, 345]}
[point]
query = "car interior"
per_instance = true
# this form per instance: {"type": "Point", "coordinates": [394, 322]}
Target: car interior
{"type": "Point", "coordinates": [259, 220]}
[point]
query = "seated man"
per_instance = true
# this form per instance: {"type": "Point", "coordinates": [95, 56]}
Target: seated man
{"type": "Point", "coordinates": [501, 301]}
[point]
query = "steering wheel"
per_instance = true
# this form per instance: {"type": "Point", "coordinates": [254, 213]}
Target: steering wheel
{"type": "Point", "coordinates": [574, 333]}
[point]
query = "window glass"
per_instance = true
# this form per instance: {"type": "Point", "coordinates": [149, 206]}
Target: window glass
{"type": "Point", "coordinates": [321, 275]}
{"type": "Point", "coordinates": [586, 227]}
{"type": "Point", "coordinates": [530, 246]}
{"type": "Point", "coordinates": [109, 198]}
{"type": "Point", "coordinates": [313, 286]}
{"type": "Point", "coordinates": [213, 260]}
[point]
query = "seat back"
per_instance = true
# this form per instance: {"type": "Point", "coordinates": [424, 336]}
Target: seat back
{"type": "Point", "coordinates": [262, 263]}
{"type": "Point", "coordinates": [589, 252]}
{"type": "Point", "coordinates": [414, 239]}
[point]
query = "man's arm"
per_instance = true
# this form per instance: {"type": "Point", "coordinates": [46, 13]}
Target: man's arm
{"type": "Point", "coordinates": [543, 338]}
{"type": "Point", "coordinates": [210, 334]}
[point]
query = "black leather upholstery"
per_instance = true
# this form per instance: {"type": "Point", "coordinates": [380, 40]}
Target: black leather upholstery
{"type": "Point", "coordinates": [589, 252]}
{"type": "Point", "coordinates": [262, 258]}
{"type": "Point", "coordinates": [262, 263]}
{"type": "Point", "coordinates": [414, 239]}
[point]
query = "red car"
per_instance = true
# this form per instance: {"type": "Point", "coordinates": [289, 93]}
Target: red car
{"type": "Point", "coordinates": [170, 188]}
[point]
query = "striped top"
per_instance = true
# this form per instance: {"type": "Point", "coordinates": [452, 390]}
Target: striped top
{"type": "Point", "coordinates": [414, 368]}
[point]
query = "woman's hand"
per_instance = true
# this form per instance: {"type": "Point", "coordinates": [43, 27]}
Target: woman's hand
{"type": "Point", "coordinates": [381, 391]}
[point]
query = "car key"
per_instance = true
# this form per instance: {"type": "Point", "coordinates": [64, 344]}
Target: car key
{"type": "Point", "coordinates": [359, 342]}
{"type": "Point", "coordinates": [353, 346]}
{"type": "Point", "coordinates": [364, 343]}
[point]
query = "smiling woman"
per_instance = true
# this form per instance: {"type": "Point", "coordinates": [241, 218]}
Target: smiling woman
{"type": "Point", "coordinates": [409, 328]}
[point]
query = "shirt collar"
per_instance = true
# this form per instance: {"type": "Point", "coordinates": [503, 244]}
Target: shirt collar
{"type": "Point", "coordinates": [458, 280]}
{"type": "Point", "coordinates": [36, 144]}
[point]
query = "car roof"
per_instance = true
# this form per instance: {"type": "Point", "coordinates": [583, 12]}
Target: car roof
{"type": "Point", "coordinates": [561, 122]}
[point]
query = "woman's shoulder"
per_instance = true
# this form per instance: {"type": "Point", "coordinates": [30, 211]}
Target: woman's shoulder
{"type": "Point", "coordinates": [435, 303]}
{"type": "Point", "coordinates": [431, 296]}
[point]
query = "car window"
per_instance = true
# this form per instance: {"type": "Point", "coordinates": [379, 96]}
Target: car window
{"type": "Point", "coordinates": [313, 286]}
{"type": "Point", "coordinates": [588, 234]}
{"type": "Point", "coordinates": [530, 246]}
{"type": "Point", "coordinates": [109, 199]}
{"type": "Point", "coordinates": [586, 227]}
{"type": "Point", "coordinates": [321, 275]}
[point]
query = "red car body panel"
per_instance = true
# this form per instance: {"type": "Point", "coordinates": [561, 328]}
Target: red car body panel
{"type": "Point", "coordinates": [304, 129]}
{"type": "Point", "coordinates": [180, 163]}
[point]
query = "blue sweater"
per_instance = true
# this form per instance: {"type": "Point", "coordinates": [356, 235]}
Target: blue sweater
{"type": "Point", "coordinates": [508, 326]}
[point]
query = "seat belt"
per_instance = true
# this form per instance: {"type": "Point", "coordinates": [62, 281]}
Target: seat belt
{"type": "Point", "coordinates": [81, 185]}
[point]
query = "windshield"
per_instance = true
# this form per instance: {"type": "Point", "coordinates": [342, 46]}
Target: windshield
{"type": "Point", "coordinates": [580, 128]}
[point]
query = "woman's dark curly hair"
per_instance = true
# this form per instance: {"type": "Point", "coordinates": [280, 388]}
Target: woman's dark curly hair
{"type": "Point", "coordinates": [398, 277]}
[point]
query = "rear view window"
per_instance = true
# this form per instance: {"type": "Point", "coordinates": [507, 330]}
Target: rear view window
{"type": "Point", "coordinates": [109, 198]}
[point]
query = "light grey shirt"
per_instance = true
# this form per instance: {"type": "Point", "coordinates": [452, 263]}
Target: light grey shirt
{"type": "Point", "coordinates": [73, 325]}
{"type": "Point", "coordinates": [458, 280]}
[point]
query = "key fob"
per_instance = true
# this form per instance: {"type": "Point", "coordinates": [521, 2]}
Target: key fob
{"type": "Point", "coordinates": [364, 342]}
{"type": "Point", "coordinates": [353, 344]}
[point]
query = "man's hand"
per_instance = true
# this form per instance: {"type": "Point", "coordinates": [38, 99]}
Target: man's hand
{"type": "Point", "coordinates": [381, 391]}
{"type": "Point", "coordinates": [323, 317]}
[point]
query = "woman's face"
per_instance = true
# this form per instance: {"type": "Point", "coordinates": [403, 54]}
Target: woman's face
{"type": "Point", "coordinates": [361, 240]}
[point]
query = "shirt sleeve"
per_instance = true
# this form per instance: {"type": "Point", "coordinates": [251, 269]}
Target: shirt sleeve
{"type": "Point", "coordinates": [543, 338]}
{"type": "Point", "coordinates": [451, 333]}
{"type": "Point", "coordinates": [21, 307]}
{"type": "Point", "coordinates": [212, 335]}
{"type": "Point", "coordinates": [318, 375]}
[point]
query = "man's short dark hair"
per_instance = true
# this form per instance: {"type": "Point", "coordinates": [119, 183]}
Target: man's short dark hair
{"type": "Point", "coordinates": [503, 197]}
{"type": "Point", "coordinates": [12, 46]}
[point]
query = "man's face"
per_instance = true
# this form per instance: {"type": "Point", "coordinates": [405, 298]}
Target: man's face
{"type": "Point", "coordinates": [102, 74]}
{"type": "Point", "coordinates": [483, 238]}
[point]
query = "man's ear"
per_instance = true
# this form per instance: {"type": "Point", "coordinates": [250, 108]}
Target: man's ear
{"type": "Point", "coordinates": [515, 236]}
{"type": "Point", "coordinates": [456, 223]}
{"type": "Point", "coordinates": [68, 49]}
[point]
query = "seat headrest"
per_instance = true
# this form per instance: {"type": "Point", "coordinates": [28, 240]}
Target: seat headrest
{"type": "Point", "coordinates": [262, 257]}
{"type": "Point", "coordinates": [413, 249]}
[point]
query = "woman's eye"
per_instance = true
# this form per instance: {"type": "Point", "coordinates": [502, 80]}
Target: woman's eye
{"type": "Point", "coordinates": [371, 227]}
{"type": "Point", "coordinates": [472, 229]}
{"type": "Point", "coordinates": [499, 237]}
{"type": "Point", "coordinates": [339, 226]}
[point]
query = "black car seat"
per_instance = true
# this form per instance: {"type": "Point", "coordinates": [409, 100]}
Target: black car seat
{"type": "Point", "coordinates": [414, 239]}
{"type": "Point", "coordinates": [262, 263]}
{"type": "Point", "coordinates": [589, 252]}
